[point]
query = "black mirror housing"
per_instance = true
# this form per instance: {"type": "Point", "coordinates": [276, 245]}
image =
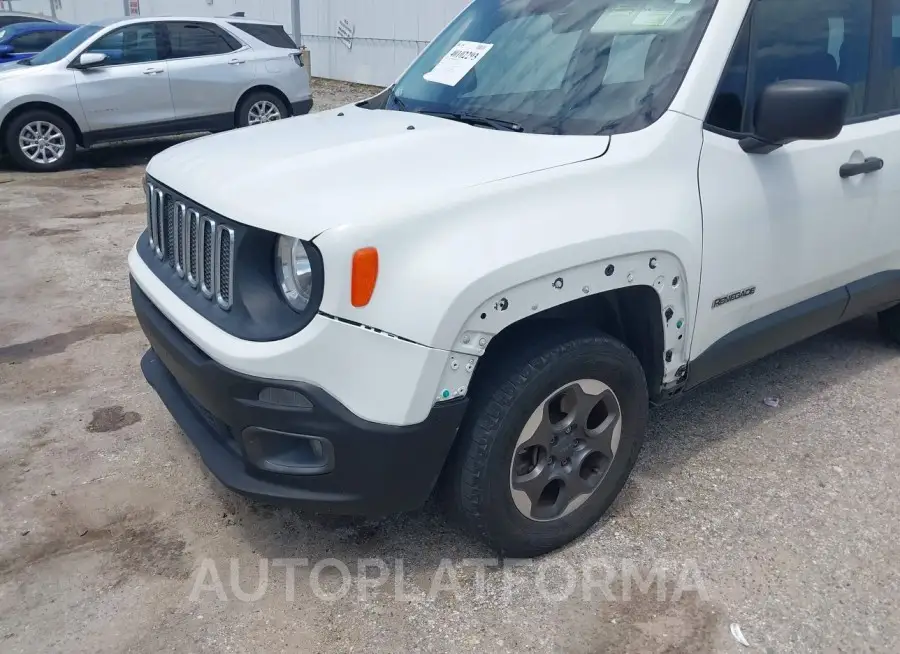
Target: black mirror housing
{"type": "Point", "coordinates": [797, 110]}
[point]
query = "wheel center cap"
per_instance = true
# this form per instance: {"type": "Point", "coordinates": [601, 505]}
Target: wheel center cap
{"type": "Point", "coordinates": [566, 444]}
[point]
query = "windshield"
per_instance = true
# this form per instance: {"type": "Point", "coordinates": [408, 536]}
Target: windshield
{"type": "Point", "coordinates": [558, 66]}
{"type": "Point", "coordinates": [64, 47]}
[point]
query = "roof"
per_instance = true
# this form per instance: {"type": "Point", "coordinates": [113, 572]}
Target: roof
{"type": "Point", "coordinates": [187, 19]}
{"type": "Point", "coordinates": [39, 27]}
{"type": "Point", "coordinates": [40, 17]}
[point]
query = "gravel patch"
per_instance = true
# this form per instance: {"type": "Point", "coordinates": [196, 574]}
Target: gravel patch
{"type": "Point", "coordinates": [329, 93]}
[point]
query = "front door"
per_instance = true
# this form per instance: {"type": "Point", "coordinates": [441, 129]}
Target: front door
{"type": "Point", "coordinates": [130, 92]}
{"type": "Point", "coordinates": [885, 237]}
{"type": "Point", "coordinates": [784, 232]}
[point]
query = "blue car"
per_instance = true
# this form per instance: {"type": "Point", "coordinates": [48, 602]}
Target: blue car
{"type": "Point", "coordinates": [24, 40]}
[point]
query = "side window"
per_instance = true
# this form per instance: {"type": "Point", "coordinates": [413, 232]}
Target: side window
{"type": "Point", "coordinates": [34, 41]}
{"type": "Point", "coordinates": [894, 75]}
{"type": "Point", "coordinates": [196, 40]}
{"type": "Point", "coordinates": [796, 39]}
{"type": "Point", "coordinates": [273, 35]}
{"type": "Point", "coordinates": [729, 106]}
{"type": "Point", "coordinates": [134, 44]}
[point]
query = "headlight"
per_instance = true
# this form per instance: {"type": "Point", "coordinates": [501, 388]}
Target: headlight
{"type": "Point", "coordinates": [293, 270]}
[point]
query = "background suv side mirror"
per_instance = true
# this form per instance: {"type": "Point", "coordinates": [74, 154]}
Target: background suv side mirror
{"type": "Point", "coordinates": [797, 110]}
{"type": "Point", "coordinates": [6, 50]}
{"type": "Point", "coordinates": [90, 60]}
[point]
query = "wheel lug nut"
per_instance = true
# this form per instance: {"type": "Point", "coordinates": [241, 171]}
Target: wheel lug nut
{"type": "Point", "coordinates": [553, 440]}
{"type": "Point", "coordinates": [569, 429]}
{"type": "Point", "coordinates": [565, 462]}
{"type": "Point", "coordinates": [551, 460]}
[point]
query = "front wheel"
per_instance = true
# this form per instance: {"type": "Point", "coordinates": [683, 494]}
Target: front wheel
{"type": "Point", "coordinates": [261, 107]}
{"type": "Point", "coordinates": [550, 439]}
{"type": "Point", "coordinates": [40, 141]}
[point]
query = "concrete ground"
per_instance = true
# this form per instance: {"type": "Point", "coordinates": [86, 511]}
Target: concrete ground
{"type": "Point", "coordinates": [113, 537]}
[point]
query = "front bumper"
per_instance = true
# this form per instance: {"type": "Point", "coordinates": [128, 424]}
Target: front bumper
{"type": "Point", "coordinates": [359, 467]}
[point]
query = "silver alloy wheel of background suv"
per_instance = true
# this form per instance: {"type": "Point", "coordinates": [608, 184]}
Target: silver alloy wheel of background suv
{"type": "Point", "coordinates": [42, 142]}
{"type": "Point", "coordinates": [263, 111]}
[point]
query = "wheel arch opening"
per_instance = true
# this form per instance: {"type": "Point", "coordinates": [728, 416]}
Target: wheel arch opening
{"type": "Point", "coordinates": [632, 315]}
{"type": "Point", "coordinates": [261, 88]}
{"type": "Point", "coordinates": [39, 106]}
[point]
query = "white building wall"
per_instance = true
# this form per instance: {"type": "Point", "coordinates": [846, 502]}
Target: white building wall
{"type": "Point", "coordinates": [83, 11]}
{"type": "Point", "coordinates": [388, 34]}
{"type": "Point", "coordinates": [275, 10]}
{"type": "Point", "coordinates": [73, 11]}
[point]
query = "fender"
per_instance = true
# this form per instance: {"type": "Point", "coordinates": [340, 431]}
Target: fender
{"type": "Point", "coordinates": [661, 271]}
{"type": "Point", "coordinates": [72, 109]}
{"type": "Point", "coordinates": [454, 271]}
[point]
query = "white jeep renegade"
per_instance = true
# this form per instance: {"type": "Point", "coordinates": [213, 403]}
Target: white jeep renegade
{"type": "Point", "coordinates": [478, 280]}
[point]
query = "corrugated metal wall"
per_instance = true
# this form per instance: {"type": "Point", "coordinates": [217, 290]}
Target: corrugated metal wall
{"type": "Point", "coordinates": [388, 34]}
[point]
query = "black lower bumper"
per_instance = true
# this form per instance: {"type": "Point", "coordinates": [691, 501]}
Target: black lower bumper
{"type": "Point", "coordinates": [301, 108]}
{"type": "Point", "coordinates": [358, 467]}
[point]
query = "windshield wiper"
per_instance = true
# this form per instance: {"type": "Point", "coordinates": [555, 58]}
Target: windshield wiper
{"type": "Point", "coordinates": [400, 104]}
{"type": "Point", "coordinates": [25, 62]}
{"type": "Point", "coordinates": [473, 119]}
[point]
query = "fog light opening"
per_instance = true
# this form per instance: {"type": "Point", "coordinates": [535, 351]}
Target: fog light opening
{"type": "Point", "coordinates": [286, 453]}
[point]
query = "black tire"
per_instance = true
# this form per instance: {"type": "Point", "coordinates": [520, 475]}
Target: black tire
{"type": "Point", "coordinates": [889, 321]}
{"type": "Point", "coordinates": [476, 482]}
{"type": "Point", "coordinates": [258, 97]}
{"type": "Point", "coordinates": [11, 141]}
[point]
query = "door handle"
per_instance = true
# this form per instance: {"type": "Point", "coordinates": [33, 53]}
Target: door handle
{"type": "Point", "coordinates": [153, 71]}
{"type": "Point", "coordinates": [870, 165]}
{"type": "Point", "coordinates": [236, 62]}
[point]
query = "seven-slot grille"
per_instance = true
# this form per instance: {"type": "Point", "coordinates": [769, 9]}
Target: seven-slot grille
{"type": "Point", "coordinates": [199, 250]}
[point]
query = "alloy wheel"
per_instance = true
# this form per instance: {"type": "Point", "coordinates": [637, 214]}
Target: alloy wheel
{"type": "Point", "coordinates": [42, 142]}
{"type": "Point", "coordinates": [263, 111]}
{"type": "Point", "coordinates": [565, 450]}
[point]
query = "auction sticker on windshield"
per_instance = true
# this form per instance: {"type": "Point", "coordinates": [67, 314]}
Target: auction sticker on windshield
{"type": "Point", "coordinates": [458, 62]}
{"type": "Point", "coordinates": [653, 18]}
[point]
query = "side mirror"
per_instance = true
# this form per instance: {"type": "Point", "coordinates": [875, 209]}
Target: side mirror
{"type": "Point", "coordinates": [6, 50]}
{"type": "Point", "coordinates": [797, 110]}
{"type": "Point", "coordinates": [90, 60]}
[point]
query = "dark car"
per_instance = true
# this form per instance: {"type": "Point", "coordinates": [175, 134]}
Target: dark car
{"type": "Point", "coordinates": [24, 40]}
{"type": "Point", "coordinates": [12, 17]}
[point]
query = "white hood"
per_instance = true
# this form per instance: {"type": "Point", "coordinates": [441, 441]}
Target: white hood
{"type": "Point", "coordinates": [304, 175]}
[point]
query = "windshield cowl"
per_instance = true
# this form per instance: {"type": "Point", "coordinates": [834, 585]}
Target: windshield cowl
{"type": "Point", "coordinates": [573, 67]}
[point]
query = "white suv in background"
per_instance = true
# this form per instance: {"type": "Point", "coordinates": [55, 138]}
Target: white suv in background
{"type": "Point", "coordinates": [479, 279]}
{"type": "Point", "coordinates": [123, 79]}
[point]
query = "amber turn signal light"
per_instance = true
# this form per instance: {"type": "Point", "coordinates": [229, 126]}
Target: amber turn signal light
{"type": "Point", "coordinates": [363, 276]}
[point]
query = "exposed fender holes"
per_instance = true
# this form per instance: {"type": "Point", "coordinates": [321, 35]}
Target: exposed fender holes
{"type": "Point", "coordinates": [675, 282]}
{"type": "Point", "coordinates": [610, 269]}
